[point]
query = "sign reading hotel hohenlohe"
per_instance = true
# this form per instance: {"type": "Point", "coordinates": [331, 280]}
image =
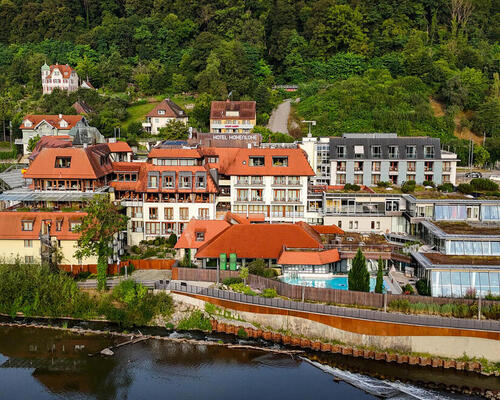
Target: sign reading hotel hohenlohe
{"type": "Point", "coordinates": [235, 137]}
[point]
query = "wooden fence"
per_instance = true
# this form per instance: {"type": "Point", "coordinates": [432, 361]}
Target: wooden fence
{"type": "Point", "coordinates": [113, 269]}
{"type": "Point", "coordinates": [323, 295]}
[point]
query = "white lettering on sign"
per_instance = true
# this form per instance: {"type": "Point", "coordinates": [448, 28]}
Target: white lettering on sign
{"type": "Point", "coordinates": [235, 137]}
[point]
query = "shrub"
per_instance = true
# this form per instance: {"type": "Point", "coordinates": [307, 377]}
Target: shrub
{"type": "Point", "coordinates": [242, 333]}
{"type": "Point", "coordinates": [352, 187]}
{"type": "Point", "coordinates": [82, 275]}
{"type": "Point", "coordinates": [257, 267]}
{"type": "Point", "coordinates": [172, 240]}
{"type": "Point", "coordinates": [270, 273]}
{"type": "Point", "coordinates": [483, 184]}
{"type": "Point", "coordinates": [446, 187]}
{"type": "Point", "coordinates": [465, 188]}
{"type": "Point", "coordinates": [429, 183]}
{"type": "Point", "coordinates": [408, 289]}
{"type": "Point", "coordinates": [422, 288]}
{"type": "Point", "coordinates": [242, 288]}
{"type": "Point", "coordinates": [269, 293]}
{"type": "Point", "coordinates": [232, 280]}
{"type": "Point", "coordinates": [408, 187]}
{"type": "Point", "coordinates": [470, 293]}
{"type": "Point", "coordinates": [195, 321]}
{"type": "Point", "coordinates": [383, 184]}
{"type": "Point", "coordinates": [490, 296]}
{"type": "Point", "coordinates": [135, 249]}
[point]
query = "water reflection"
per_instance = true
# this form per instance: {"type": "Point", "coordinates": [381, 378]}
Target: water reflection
{"type": "Point", "coordinates": [48, 364]}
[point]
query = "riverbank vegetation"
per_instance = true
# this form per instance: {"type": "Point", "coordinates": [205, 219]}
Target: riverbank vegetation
{"type": "Point", "coordinates": [35, 290]}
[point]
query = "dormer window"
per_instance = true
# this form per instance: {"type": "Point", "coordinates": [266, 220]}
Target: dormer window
{"type": "Point", "coordinates": [27, 225]}
{"type": "Point", "coordinates": [201, 180]}
{"type": "Point", "coordinates": [256, 161]}
{"type": "Point", "coordinates": [28, 123]}
{"type": "Point", "coordinates": [161, 112]}
{"type": "Point", "coordinates": [73, 225]}
{"type": "Point", "coordinates": [63, 124]}
{"type": "Point", "coordinates": [200, 236]}
{"type": "Point", "coordinates": [280, 161]}
{"type": "Point", "coordinates": [63, 162]}
{"type": "Point", "coordinates": [103, 160]}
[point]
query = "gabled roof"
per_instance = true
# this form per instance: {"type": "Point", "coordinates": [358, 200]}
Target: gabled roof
{"type": "Point", "coordinates": [50, 142]}
{"type": "Point", "coordinates": [236, 218]}
{"type": "Point", "coordinates": [119, 147]}
{"type": "Point", "coordinates": [246, 109]}
{"type": "Point", "coordinates": [236, 162]}
{"type": "Point", "coordinates": [53, 120]}
{"type": "Point", "coordinates": [159, 152]}
{"type": "Point", "coordinates": [302, 257]}
{"type": "Point", "coordinates": [82, 107]}
{"type": "Point", "coordinates": [210, 228]}
{"type": "Point", "coordinates": [258, 241]}
{"type": "Point", "coordinates": [11, 227]}
{"type": "Point", "coordinates": [87, 85]}
{"type": "Point", "coordinates": [85, 163]}
{"type": "Point", "coordinates": [171, 109]}
{"type": "Point", "coordinates": [65, 70]}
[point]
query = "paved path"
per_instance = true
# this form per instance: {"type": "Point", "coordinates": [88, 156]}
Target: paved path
{"type": "Point", "coordinates": [279, 118]}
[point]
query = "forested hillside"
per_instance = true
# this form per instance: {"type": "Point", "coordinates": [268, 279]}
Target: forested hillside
{"type": "Point", "coordinates": [361, 65]}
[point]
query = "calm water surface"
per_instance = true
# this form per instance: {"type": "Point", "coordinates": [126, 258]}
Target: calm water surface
{"type": "Point", "coordinates": [50, 364]}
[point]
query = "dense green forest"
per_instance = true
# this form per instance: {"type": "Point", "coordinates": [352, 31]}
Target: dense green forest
{"type": "Point", "coordinates": [361, 66]}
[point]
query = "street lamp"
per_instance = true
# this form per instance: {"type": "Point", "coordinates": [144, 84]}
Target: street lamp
{"type": "Point", "coordinates": [311, 123]}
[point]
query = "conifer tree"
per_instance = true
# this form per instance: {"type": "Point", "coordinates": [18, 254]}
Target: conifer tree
{"type": "Point", "coordinates": [359, 277]}
{"type": "Point", "coordinates": [379, 285]}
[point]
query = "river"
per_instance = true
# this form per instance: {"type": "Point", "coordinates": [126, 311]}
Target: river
{"type": "Point", "coordinates": [53, 364]}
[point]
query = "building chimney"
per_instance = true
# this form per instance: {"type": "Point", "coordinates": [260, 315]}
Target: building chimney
{"type": "Point", "coordinates": [60, 116]}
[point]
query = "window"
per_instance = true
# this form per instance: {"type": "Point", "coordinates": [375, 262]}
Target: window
{"type": "Point", "coordinates": [450, 212]}
{"type": "Point", "coordinates": [63, 162]}
{"type": "Point", "coordinates": [358, 179]}
{"type": "Point", "coordinates": [378, 225]}
{"type": "Point", "coordinates": [359, 151]}
{"type": "Point", "coordinates": [490, 213]}
{"type": "Point", "coordinates": [393, 152]}
{"type": "Point", "coordinates": [29, 259]}
{"type": "Point", "coordinates": [242, 195]}
{"type": "Point", "coordinates": [161, 112]}
{"type": "Point", "coordinates": [279, 180]}
{"type": "Point", "coordinates": [446, 179]}
{"type": "Point", "coordinates": [428, 166]}
{"type": "Point", "coordinates": [184, 213]}
{"type": "Point", "coordinates": [280, 161]}
{"type": "Point", "coordinates": [279, 195]}
{"type": "Point", "coordinates": [339, 224]}
{"type": "Point", "coordinates": [393, 167]}
{"type": "Point", "coordinates": [376, 166]}
{"type": "Point", "coordinates": [168, 181]}
{"type": "Point", "coordinates": [372, 224]}
{"type": "Point", "coordinates": [152, 181]}
{"type": "Point", "coordinates": [185, 181]}
{"type": "Point", "coordinates": [428, 178]}
{"type": "Point", "coordinates": [472, 212]}
{"type": "Point", "coordinates": [340, 179]}
{"type": "Point", "coordinates": [59, 223]}
{"type": "Point", "coordinates": [428, 151]}
{"type": "Point", "coordinates": [294, 195]}
{"type": "Point", "coordinates": [257, 180]}
{"type": "Point", "coordinates": [375, 179]}
{"type": "Point", "coordinates": [256, 195]}
{"type": "Point", "coordinates": [376, 151]}
{"type": "Point", "coordinates": [446, 166]}
{"type": "Point", "coordinates": [341, 151]}
{"type": "Point", "coordinates": [358, 166]}
{"type": "Point", "coordinates": [136, 226]}
{"type": "Point", "coordinates": [293, 181]}
{"type": "Point", "coordinates": [28, 243]}
{"type": "Point", "coordinates": [73, 225]}
{"type": "Point", "coordinates": [256, 161]}
{"type": "Point", "coordinates": [212, 159]}
{"type": "Point", "coordinates": [411, 151]}
{"type": "Point", "coordinates": [152, 228]}
{"type": "Point", "coordinates": [201, 181]}
{"type": "Point", "coordinates": [169, 213]}
{"type": "Point", "coordinates": [341, 166]}
{"type": "Point", "coordinates": [27, 225]}
{"type": "Point", "coordinates": [410, 166]}
{"type": "Point", "coordinates": [200, 236]}
{"type": "Point", "coordinates": [203, 213]}
{"type": "Point", "coordinates": [392, 205]}
{"type": "Point", "coordinates": [136, 212]}
{"type": "Point", "coordinates": [153, 212]}
{"type": "Point", "coordinates": [242, 180]}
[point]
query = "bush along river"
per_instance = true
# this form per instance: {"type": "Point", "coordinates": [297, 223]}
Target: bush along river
{"type": "Point", "coordinates": [67, 362]}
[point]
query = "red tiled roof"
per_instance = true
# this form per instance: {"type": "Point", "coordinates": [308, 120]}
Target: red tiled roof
{"type": "Point", "coordinates": [11, 227]}
{"type": "Point", "coordinates": [158, 152]}
{"type": "Point", "coordinates": [52, 120]}
{"type": "Point", "coordinates": [85, 163]}
{"type": "Point", "coordinates": [235, 161]}
{"type": "Point", "coordinates": [82, 108]}
{"type": "Point", "coordinates": [257, 241]}
{"type": "Point", "coordinates": [50, 141]}
{"type": "Point", "coordinates": [243, 218]}
{"type": "Point", "coordinates": [119, 147]}
{"type": "Point", "coordinates": [171, 109]}
{"type": "Point", "coordinates": [299, 257]}
{"type": "Point", "coordinates": [211, 228]}
{"type": "Point", "coordinates": [65, 70]}
{"type": "Point", "coordinates": [328, 229]}
{"type": "Point", "coordinates": [246, 109]}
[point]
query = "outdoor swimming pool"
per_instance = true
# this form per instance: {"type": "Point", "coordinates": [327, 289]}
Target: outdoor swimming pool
{"type": "Point", "coordinates": [337, 282]}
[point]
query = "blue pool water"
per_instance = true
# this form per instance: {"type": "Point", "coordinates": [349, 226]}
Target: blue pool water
{"type": "Point", "coordinates": [339, 282]}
